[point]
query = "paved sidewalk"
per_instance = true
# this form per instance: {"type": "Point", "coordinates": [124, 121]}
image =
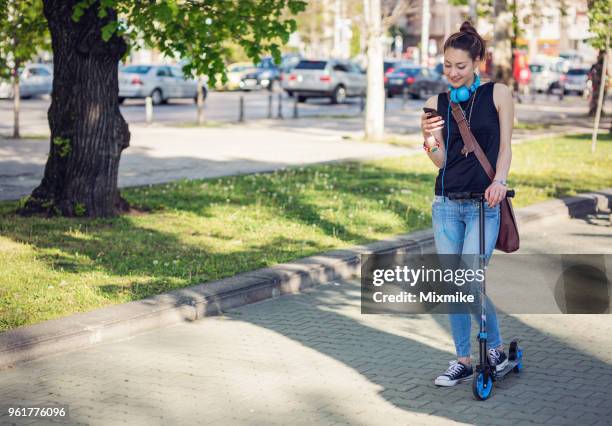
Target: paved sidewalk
{"type": "Point", "coordinates": [313, 358]}
{"type": "Point", "coordinates": [162, 154]}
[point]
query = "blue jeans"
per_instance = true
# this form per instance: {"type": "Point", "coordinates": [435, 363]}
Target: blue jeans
{"type": "Point", "coordinates": [455, 224]}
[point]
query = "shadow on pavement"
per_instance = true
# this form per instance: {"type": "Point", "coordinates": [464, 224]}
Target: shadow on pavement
{"type": "Point", "coordinates": [556, 386]}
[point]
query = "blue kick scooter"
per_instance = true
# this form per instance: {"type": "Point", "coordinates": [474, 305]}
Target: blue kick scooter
{"type": "Point", "coordinates": [486, 374]}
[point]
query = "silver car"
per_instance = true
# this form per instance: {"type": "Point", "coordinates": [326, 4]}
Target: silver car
{"type": "Point", "coordinates": [160, 82]}
{"type": "Point", "coordinates": [34, 80]}
{"type": "Point", "coordinates": [330, 78]}
{"type": "Point", "coordinates": [575, 80]}
{"type": "Point", "coordinates": [543, 75]}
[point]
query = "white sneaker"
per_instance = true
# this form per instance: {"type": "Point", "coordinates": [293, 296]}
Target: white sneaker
{"type": "Point", "coordinates": [456, 373]}
{"type": "Point", "coordinates": [498, 359]}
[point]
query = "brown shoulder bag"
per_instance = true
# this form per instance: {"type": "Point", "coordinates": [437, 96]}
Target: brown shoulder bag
{"type": "Point", "coordinates": [508, 239]}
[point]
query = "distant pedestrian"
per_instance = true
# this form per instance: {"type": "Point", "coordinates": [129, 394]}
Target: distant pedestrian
{"type": "Point", "coordinates": [522, 76]}
{"type": "Point", "coordinates": [591, 86]}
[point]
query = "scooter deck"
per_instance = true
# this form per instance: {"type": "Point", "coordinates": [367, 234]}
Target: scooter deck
{"type": "Point", "coordinates": [500, 375]}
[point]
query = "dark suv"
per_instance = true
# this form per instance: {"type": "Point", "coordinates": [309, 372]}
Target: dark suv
{"type": "Point", "coordinates": [267, 74]}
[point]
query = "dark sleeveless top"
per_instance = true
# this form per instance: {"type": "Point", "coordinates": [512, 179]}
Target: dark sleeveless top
{"type": "Point", "coordinates": [465, 173]}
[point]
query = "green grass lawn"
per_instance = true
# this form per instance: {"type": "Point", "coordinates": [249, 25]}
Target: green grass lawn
{"type": "Point", "coordinates": [197, 231]}
{"type": "Point", "coordinates": [531, 126]}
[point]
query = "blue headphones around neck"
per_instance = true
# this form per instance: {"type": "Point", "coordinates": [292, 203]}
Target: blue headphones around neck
{"type": "Point", "coordinates": [463, 93]}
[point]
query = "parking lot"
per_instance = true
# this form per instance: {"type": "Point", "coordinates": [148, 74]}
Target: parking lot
{"type": "Point", "coordinates": [219, 106]}
{"type": "Point", "coordinates": [402, 114]}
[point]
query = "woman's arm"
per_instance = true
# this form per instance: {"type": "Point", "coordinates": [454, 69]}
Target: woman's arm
{"type": "Point", "coordinates": [502, 97]}
{"type": "Point", "coordinates": [432, 132]}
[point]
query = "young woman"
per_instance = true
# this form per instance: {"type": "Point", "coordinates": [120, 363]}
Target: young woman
{"type": "Point", "coordinates": [489, 109]}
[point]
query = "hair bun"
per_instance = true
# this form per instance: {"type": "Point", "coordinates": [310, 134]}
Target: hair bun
{"type": "Point", "coordinates": [466, 27]}
{"type": "Point", "coordinates": [468, 39]}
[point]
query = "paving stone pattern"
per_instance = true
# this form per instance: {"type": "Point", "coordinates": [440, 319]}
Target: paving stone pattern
{"type": "Point", "coordinates": [312, 358]}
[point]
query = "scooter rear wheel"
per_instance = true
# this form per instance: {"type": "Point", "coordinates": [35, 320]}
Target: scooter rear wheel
{"type": "Point", "coordinates": [482, 387]}
{"type": "Point", "coordinates": [512, 350]}
{"type": "Point", "coordinates": [519, 366]}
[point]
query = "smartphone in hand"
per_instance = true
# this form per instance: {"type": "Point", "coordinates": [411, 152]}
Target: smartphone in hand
{"type": "Point", "coordinates": [432, 112]}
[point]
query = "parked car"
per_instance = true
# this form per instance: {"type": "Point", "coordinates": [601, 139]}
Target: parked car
{"type": "Point", "coordinates": [34, 80]}
{"type": "Point", "coordinates": [572, 58]}
{"type": "Point", "coordinates": [439, 68]}
{"type": "Point", "coordinates": [549, 78]}
{"type": "Point", "coordinates": [575, 80]}
{"type": "Point", "coordinates": [160, 82]}
{"type": "Point", "coordinates": [543, 75]}
{"type": "Point", "coordinates": [268, 75]}
{"type": "Point", "coordinates": [285, 72]}
{"type": "Point", "coordinates": [331, 78]}
{"type": "Point", "coordinates": [391, 65]}
{"type": "Point", "coordinates": [289, 63]}
{"type": "Point", "coordinates": [234, 73]}
{"type": "Point", "coordinates": [419, 82]}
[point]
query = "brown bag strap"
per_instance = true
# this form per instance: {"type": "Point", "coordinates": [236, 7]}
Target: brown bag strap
{"type": "Point", "coordinates": [470, 144]}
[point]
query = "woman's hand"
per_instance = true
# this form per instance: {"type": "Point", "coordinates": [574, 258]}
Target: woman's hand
{"type": "Point", "coordinates": [430, 125]}
{"type": "Point", "coordinates": [495, 193]}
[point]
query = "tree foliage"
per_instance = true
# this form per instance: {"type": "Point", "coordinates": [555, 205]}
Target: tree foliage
{"type": "Point", "coordinates": [600, 22]}
{"type": "Point", "coordinates": [199, 30]}
{"type": "Point", "coordinates": [23, 33]}
{"type": "Point", "coordinates": [484, 8]}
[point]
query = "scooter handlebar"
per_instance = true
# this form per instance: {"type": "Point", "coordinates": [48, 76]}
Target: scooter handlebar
{"type": "Point", "coordinates": [473, 195]}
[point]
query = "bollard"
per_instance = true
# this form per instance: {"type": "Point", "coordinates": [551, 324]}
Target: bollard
{"type": "Point", "coordinates": [386, 96]}
{"type": "Point", "coordinates": [149, 109]}
{"type": "Point", "coordinates": [270, 106]}
{"type": "Point", "coordinates": [405, 97]}
{"type": "Point", "coordinates": [280, 106]}
{"type": "Point", "coordinates": [295, 105]}
{"type": "Point", "coordinates": [241, 110]}
{"type": "Point", "coordinates": [200, 102]}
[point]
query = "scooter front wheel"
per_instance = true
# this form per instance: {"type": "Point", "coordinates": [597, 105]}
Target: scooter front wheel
{"type": "Point", "coordinates": [482, 387]}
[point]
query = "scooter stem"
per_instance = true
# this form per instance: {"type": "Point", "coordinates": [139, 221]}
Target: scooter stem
{"type": "Point", "coordinates": [482, 336]}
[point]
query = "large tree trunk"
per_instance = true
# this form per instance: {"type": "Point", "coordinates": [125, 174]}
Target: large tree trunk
{"type": "Point", "coordinates": [88, 132]}
{"type": "Point", "coordinates": [375, 106]}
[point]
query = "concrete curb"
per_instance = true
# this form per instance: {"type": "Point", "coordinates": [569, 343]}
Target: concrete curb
{"type": "Point", "coordinates": [213, 298]}
{"type": "Point", "coordinates": [576, 206]}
